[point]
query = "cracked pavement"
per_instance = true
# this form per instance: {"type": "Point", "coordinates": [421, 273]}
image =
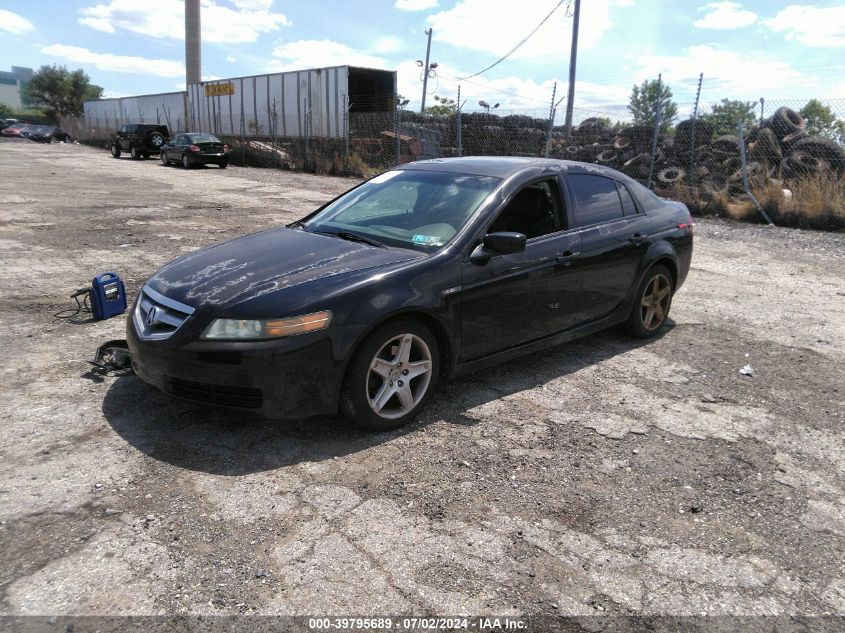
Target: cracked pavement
{"type": "Point", "coordinates": [605, 476]}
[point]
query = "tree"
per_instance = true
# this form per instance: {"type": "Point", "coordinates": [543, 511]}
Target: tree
{"type": "Point", "coordinates": [650, 97]}
{"type": "Point", "coordinates": [444, 107]}
{"type": "Point", "coordinates": [723, 116]}
{"type": "Point", "coordinates": [60, 92]}
{"type": "Point", "coordinates": [5, 111]}
{"type": "Point", "coordinates": [821, 120]}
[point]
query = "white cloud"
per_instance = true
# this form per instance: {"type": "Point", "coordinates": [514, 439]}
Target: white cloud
{"type": "Point", "coordinates": [389, 44]}
{"type": "Point", "coordinates": [304, 54]}
{"type": "Point", "coordinates": [116, 63]}
{"type": "Point", "coordinates": [166, 19]}
{"type": "Point", "coordinates": [725, 15]}
{"type": "Point", "coordinates": [495, 26]}
{"type": "Point", "coordinates": [513, 93]}
{"type": "Point", "coordinates": [415, 5]}
{"type": "Point", "coordinates": [231, 59]}
{"type": "Point", "coordinates": [726, 73]}
{"type": "Point", "coordinates": [812, 26]}
{"type": "Point", "coordinates": [14, 23]}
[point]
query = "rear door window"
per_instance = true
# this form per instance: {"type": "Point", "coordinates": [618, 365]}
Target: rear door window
{"type": "Point", "coordinates": [596, 199]}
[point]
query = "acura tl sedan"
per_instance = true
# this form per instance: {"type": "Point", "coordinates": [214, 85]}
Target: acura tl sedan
{"type": "Point", "coordinates": [431, 270]}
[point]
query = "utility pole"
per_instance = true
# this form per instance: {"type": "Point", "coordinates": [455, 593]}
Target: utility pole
{"type": "Point", "coordinates": [570, 97]}
{"type": "Point", "coordinates": [193, 42]}
{"type": "Point", "coordinates": [425, 71]}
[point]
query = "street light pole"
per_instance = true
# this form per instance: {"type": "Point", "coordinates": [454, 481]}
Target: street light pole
{"type": "Point", "coordinates": [425, 71]}
{"type": "Point", "coordinates": [570, 97]}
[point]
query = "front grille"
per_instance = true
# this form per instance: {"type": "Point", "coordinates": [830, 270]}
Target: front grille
{"type": "Point", "coordinates": [157, 317]}
{"type": "Point", "coordinates": [242, 397]}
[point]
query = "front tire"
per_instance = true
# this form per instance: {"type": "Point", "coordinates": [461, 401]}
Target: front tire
{"type": "Point", "coordinates": [651, 303]}
{"type": "Point", "coordinates": [163, 158]}
{"type": "Point", "coordinates": [134, 153]}
{"type": "Point", "coordinates": [115, 150]}
{"type": "Point", "coordinates": [391, 376]}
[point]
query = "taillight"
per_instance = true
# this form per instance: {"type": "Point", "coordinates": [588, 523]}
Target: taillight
{"type": "Point", "coordinates": [688, 225]}
{"type": "Point", "coordinates": [194, 148]}
{"type": "Point", "coordinates": [225, 148]}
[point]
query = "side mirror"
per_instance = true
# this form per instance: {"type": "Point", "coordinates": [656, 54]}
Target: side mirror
{"type": "Point", "coordinates": [499, 243]}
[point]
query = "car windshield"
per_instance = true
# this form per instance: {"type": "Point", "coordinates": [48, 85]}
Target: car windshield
{"type": "Point", "coordinates": [414, 209]}
{"type": "Point", "coordinates": [203, 138]}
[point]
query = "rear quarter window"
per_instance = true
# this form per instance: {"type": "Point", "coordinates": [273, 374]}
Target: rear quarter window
{"type": "Point", "coordinates": [647, 199]}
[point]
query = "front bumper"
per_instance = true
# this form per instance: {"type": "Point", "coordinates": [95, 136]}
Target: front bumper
{"type": "Point", "coordinates": [283, 378]}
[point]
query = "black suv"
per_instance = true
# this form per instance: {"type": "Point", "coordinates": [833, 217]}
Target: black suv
{"type": "Point", "coordinates": [139, 140]}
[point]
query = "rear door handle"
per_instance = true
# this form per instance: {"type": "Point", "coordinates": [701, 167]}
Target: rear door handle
{"type": "Point", "coordinates": [567, 257]}
{"type": "Point", "coordinates": [636, 239]}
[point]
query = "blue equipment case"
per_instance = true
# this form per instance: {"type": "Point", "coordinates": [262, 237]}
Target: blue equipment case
{"type": "Point", "coordinates": [108, 296]}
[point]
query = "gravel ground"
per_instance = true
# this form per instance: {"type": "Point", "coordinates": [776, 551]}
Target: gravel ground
{"type": "Point", "coordinates": [604, 477]}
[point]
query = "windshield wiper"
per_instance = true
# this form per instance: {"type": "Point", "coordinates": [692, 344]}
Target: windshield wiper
{"type": "Point", "coordinates": [354, 237]}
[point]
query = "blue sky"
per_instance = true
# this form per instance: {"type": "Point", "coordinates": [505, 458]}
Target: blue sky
{"type": "Point", "coordinates": [780, 50]}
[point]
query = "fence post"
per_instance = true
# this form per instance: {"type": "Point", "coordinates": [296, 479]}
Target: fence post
{"type": "Point", "coordinates": [305, 125]}
{"type": "Point", "coordinates": [273, 124]}
{"type": "Point", "coordinates": [658, 111]}
{"type": "Point", "coordinates": [548, 144]}
{"type": "Point", "coordinates": [745, 185]}
{"type": "Point", "coordinates": [345, 135]}
{"type": "Point", "coordinates": [458, 140]}
{"type": "Point", "coordinates": [694, 119]}
{"type": "Point", "coordinates": [762, 106]}
{"type": "Point", "coordinates": [396, 114]}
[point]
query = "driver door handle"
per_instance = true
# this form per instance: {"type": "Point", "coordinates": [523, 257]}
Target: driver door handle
{"type": "Point", "coordinates": [637, 238]}
{"type": "Point", "coordinates": [567, 257]}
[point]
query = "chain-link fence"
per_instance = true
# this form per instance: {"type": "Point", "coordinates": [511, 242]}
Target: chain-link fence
{"type": "Point", "coordinates": [691, 151]}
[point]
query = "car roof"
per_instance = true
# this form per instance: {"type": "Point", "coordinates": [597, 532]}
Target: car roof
{"type": "Point", "coordinates": [506, 166]}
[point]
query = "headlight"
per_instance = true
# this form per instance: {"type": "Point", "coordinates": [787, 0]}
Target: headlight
{"type": "Point", "coordinates": [248, 329]}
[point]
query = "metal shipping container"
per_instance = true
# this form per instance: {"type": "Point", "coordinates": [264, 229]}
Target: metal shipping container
{"type": "Point", "coordinates": [166, 108]}
{"type": "Point", "coordinates": [297, 103]}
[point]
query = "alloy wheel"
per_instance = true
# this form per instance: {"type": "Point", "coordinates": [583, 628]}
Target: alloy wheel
{"type": "Point", "coordinates": [399, 376]}
{"type": "Point", "coordinates": [655, 302]}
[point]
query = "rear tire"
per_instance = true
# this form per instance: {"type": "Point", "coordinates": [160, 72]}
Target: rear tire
{"type": "Point", "coordinates": [115, 150]}
{"type": "Point", "coordinates": [391, 376]}
{"type": "Point", "coordinates": [134, 153]}
{"type": "Point", "coordinates": [163, 158]}
{"type": "Point", "coordinates": [651, 303]}
{"type": "Point", "coordinates": [185, 163]}
{"type": "Point", "coordinates": [224, 164]}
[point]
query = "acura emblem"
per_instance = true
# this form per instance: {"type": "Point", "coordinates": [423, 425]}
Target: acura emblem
{"type": "Point", "coordinates": [152, 316]}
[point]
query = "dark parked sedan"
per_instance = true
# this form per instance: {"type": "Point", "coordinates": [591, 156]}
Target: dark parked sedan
{"type": "Point", "coordinates": [430, 270]}
{"type": "Point", "coordinates": [47, 134]}
{"type": "Point", "coordinates": [195, 148]}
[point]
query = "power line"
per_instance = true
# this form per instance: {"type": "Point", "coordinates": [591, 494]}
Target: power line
{"type": "Point", "coordinates": [490, 88]}
{"type": "Point", "coordinates": [520, 43]}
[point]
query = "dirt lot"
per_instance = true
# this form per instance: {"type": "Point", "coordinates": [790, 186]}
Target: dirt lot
{"type": "Point", "coordinates": [603, 477]}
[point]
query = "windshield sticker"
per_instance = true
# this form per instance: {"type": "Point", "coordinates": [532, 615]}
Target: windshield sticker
{"type": "Point", "coordinates": [386, 176]}
{"type": "Point", "coordinates": [427, 240]}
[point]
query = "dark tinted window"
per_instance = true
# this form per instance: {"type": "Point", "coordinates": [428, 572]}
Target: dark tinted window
{"type": "Point", "coordinates": [203, 138]}
{"type": "Point", "coordinates": [532, 211]}
{"type": "Point", "coordinates": [628, 206]}
{"type": "Point", "coordinates": [596, 199]}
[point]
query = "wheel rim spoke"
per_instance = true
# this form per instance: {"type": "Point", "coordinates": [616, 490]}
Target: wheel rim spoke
{"type": "Point", "coordinates": [382, 397]}
{"type": "Point", "coordinates": [382, 368]}
{"type": "Point", "coordinates": [406, 398]}
{"type": "Point", "coordinates": [418, 368]}
{"type": "Point", "coordinates": [405, 348]}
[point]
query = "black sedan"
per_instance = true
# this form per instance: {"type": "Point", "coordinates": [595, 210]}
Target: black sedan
{"type": "Point", "coordinates": [434, 269]}
{"type": "Point", "coordinates": [47, 134]}
{"type": "Point", "coordinates": [195, 148]}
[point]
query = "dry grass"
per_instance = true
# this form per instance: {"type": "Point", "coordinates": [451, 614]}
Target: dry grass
{"type": "Point", "coordinates": [817, 202]}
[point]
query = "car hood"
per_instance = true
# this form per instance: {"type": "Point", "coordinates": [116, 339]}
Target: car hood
{"type": "Point", "coordinates": [217, 278]}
